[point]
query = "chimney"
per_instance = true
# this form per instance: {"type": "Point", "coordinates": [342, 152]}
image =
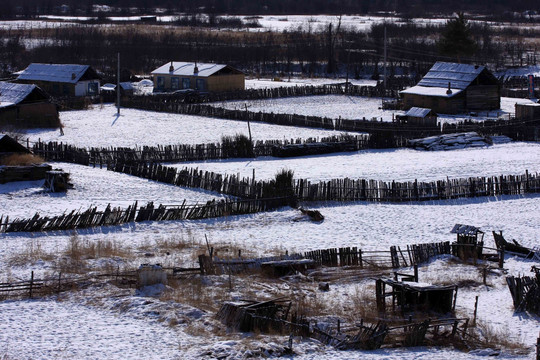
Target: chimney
{"type": "Point", "coordinates": [171, 68]}
{"type": "Point", "coordinates": [73, 76]}
{"type": "Point", "coordinates": [449, 91]}
{"type": "Point", "coordinates": [195, 69]}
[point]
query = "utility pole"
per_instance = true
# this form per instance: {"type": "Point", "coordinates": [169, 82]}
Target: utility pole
{"type": "Point", "coordinates": [118, 87]}
{"type": "Point", "coordinates": [384, 75]}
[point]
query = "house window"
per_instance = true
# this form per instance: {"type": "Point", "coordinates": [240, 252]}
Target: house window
{"type": "Point", "coordinates": [92, 88]}
{"type": "Point", "coordinates": [186, 84]}
{"type": "Point", "coordinates": [160, 82]}
{"type": "Point", "coordinates": [200, 85]}
{"type": "Point", "coordinates": [175, 83]}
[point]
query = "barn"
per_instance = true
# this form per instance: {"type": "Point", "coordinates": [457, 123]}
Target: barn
{"type": "Point", "coordinates": [198, 76]}
{"type": "Point", "coordinates": [452, 88]}
{"type": "Point", "coordinates": [62, 79]}
{"type": "Point", "coordinates": [8, 146]}
{"type": "Point", "coordinates": [24, 105]}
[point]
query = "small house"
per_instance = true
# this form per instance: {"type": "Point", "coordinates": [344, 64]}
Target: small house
{"type": "Point", "coordinates": [452, 88]}
{"type": "Point", "coordinates": [175, 76]}
{"type": "Point", "coordinates": [421, 117]}
{"type": "Point", "coordinates": [24, 105]}
{"type": "Point", "coordinates": [62, 79]}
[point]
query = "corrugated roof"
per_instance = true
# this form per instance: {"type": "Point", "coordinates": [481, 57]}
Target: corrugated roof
{"type": "Point", "coordinates": [63, 73]}
{"type": "Point", "coordinates": [11, 93]}
{"type": "Point", "coordinates": [418, 112]}
{"type": "Point", "coordinates": [188, 69]}
{"type": "Point", "coordinates": [460, 76]}
{"type": "Point", "coordinates": [431, 91]}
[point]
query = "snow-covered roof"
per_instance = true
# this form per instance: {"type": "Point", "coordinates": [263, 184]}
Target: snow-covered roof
{"type": "Point", "coordinates": [460, 76]}
{"type": "Point", "coordinates": [126, 85]}
{"type": "Point", "coordinates": [418, 112]}
{"type": "Point", "coordinates": [465, 229]}
{"type": "Point", "coordinates": [431, 91]}
{"type": "Point", "coordinates": [188, 69]}
{"type": "Point", "coordinates": [11, 93]}
{"type": "Point", "coordinates": [63, 73]}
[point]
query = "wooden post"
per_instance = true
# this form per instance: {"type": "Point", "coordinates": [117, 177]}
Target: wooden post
{"type": "Point", "coordinates": [31, 283]}
{"type": "Point", "coordinates": [538, 348]}
{"type": "Point", "coordinates": [475, 310]}
{"type": "Point", "coordinates": [455, 298]}
{"type": "Point", "coordinates": [501, 257]}
{"type": "Point", "coordinates": [59, 280]}
{"type": "Point", "coordinates": [338, 326]}
{"type": "Point", "coordinates": [360, 258]}
{"type": "Point", "coordinates": [416, 272]}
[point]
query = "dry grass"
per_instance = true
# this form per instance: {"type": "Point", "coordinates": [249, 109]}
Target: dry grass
{"type": "Point", "coordinates": [83, 250]}
{"type": "Point", "coordinates": [31, 253]}
{"type": "Point", "coordinates": [20, 160]}
{"type": "Point", "coordinates": [491, 337]}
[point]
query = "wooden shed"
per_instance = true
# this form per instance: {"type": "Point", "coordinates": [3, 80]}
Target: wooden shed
{"type": "Point", "coordinates": [175, 76]}
{"type": "Point", "coordinates": [62, 79]}
{"type": "Point", "coordinates": [452, 88]}
{"type": "Point", "coordinates": [421, 117]}
{"type": "Point", "coordinates": [414, 296]}
{"type": "Point", "coordinates": [528, 111]}
{"type": "Point", "coordinates": [24, 105]}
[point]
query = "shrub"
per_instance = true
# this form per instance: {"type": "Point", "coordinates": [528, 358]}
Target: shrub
{"type": "Point", "coordinates": [237, 146]}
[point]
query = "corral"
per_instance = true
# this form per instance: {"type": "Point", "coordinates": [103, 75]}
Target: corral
{"type": "Point", "coordinates": [356, 242]}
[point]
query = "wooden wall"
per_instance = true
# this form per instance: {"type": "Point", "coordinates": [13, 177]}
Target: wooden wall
{"type": "Point", "coordinates": [31, 115]}
{"type": "Point", "coordinates": [483, 97]}
{"type": "Point", "coordinates": [453, 105]}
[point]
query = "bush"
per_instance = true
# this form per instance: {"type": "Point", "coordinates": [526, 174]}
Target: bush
{"type": "Point", "coordinates": [237, 146]}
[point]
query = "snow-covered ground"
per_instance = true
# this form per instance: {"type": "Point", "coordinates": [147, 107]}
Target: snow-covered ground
{"type": "Point", "coordinates": [101, 127]}
{"type": "Point", "coordinates": [354, 108]}
{"type": "Point", "coordinates": [285, 82]}
{"type": "Point", "coordinates": [389, 164]}
{"type": "Point", "coordinates": [104, 323]}
{"type": "Point", "coordinates": [92, 187]}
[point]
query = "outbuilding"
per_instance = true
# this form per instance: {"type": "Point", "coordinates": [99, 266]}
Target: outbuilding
{"type": "Point", "coordinates": [24, 105]}
{"type": "Point", "coordinates": [452, 88]}
{"type": "Point", "coordinates": [203, 77]}
{"type": "Point", "coordinates": [421, 117]}
{"type": "Point", "coordinates": [62, 79]}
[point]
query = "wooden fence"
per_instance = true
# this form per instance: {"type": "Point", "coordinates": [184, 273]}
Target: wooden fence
{"type": "Point", "coordinates": [118, 216]}
{"type": "Point", "coordinates": [187, 152]}
{"type": "Point", "coordinates": [380, 191]}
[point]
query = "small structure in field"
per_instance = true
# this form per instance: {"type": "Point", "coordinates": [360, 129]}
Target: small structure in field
{"type": "Point", "coordinates": [151, 275]}
{"type": "Point", "coordinates": [527, 111]}
{"type": "Point", "coordinates": [452, 88]}
{"type": "Point", "coordinates": [248, 315]}
{"type": "Point", "coordinates": [62, 79]}
{"type": "Point", "coordinates": [450, 142]}
{"type": "Point", "coordinates": [57, 181]}
{"type": "Point", "coordinates": [414, 296]}
{"type": "Point", "coordinates": [525, 291]}
{"type": "Point", "coordinates": [24, 105]}
{"type": "Point", "coordinates": [279, 268]}
{"type": "Point", "coordinates": [203, 77]}
{"type": "Point", "coordinates": [469, 243]}
{"type": "Point", "coordinates": [421, 117]}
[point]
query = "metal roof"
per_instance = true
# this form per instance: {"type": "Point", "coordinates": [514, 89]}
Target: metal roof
{"type": "Point", "coordinates": [188, 69]}
{"type": "Point", "coordinates": [418, 112]}
{"type": "Point", "coordinates": [11, 93]}
{"type": "Point", "coordinates": [460, 76]}
{"type": "Point", "coordinates": [63, 73]}
{"type": "Point", "coordinates": [465, 229]}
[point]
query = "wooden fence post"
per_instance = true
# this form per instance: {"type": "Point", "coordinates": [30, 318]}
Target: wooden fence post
{"type": "Point", "coordinates": [475, 311]}
{"type": "Point", "coordinates": [31, 283]}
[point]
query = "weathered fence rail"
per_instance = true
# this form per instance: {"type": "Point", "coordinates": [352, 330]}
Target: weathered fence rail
{"type": "Point", "coordinates": [187, 152]}
{"type": "Point", "coordinates": [380, 191]}
{"type": "Point", "coordinates": [118, 216]}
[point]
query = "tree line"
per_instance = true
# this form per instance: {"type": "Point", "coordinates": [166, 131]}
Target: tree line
{"type": "Point", "coordinates": [415, 8]}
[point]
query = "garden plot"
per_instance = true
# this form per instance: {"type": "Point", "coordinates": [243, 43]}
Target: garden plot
{"type": "Point", "coordinates": [101, 127]}
{"type": "Point", "coordinates": [389, 164]}
{"type": "Point", "coordinates": [355, 108]}
{"type": "Point", "coordinates": [92, 187]}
